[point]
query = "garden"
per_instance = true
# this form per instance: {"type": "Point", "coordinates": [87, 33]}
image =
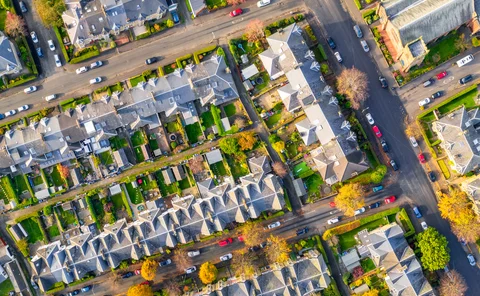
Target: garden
{"type": "Point", "coordinates": [165, 189]}
{"type": "Point", "coordinates": [138, 138]}
{"type": "Point", "coordinates": [74, 102]}
{"type": "Point", "coordinates": [207, 119]}
{"type": "Point", "coordinates": [134, 193]}
{"type": "Point", "coordinates": [7, 193]}
{"type": "Point", "coordinates": [152, 142]}
{"type": "Point", "coordinates": [230, 109]}
{"type": "Point", "coordinates": [194, 131]}
{"type": "Point", "coordinates": [31, 226]}
{"type": "Point", "coordinates": [53, 231]}
{"type": "Point", "coordinates": [106, 158]}
{"type": "Point", "coordinates": [54, 177]}
{"type": "Point", "coordinates": [139, 156]}
{"type": "Point", "coordinates": [238, 166]}
{"type": "Point", "coordinates": [218, 169]}
{"type": "Point", "coordinates": [20, 184]}
{"type": "Point", "coordinates": [117, 143]}
{"type": "Point", "coordinates": [6, 286]}
{"type": "Point", "coordinates": [66, 217]}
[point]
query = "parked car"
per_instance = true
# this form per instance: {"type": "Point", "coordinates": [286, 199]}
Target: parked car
{"type": "Point", "coordinates": [437, 95]}
{"type": "Point", "coordinates": [424, 225]}
{"type": "Point", "coordinates": [421, 158]}
{"type": "Point", "coordinates": [413, 141]}
{"type": "Point", "coordinates": [358, 31]}
{"type": "Point", "coordinates": [471, 260]}
{"type": "Point", "coordinates": [190, 270]}
{"type": "Point", "coordinates": [377, 132]}
{"type": "Point", "coordinates": [263, 3]}
{"type": "Point", "coordinates": [359, 211]}
{"type": "Point", "coordinates": [96, 80]}
{"type": "Point", "coordinates": [58, 63]}
{"type": "Point", "coordinates": [236, 12]}
{"type": "Point", "coordinates": [86, 288]}
{"type": "Point", "coordinates": [442, 75]}
{"type": "Point", "coordinates": [241, 238]}
{"type": "Point", "coordinates": [81, 70]}
{"type": "Point", "coordinates": [175, 17]}
{"type": "Point", "coordinates": [428, 82]}
{"type": "Point", "coordinates": [165, 263]}
{"type": "Point", "coordinates": [34, 37]}
{"type": "Point", "coordinates": [50, 97]}
{"type": "Point", "coordinates": [2, 116]}
{"type": "Point", "coordinates": [364, 46]}
{"type": "Point", "coordinates": [370, 119]}
{"type": "Point", "coordinates": [39, 52]}
{"type": "Point", "coordinates": [137, 271]}
{"type": "Point", "coordinates": [225, 242]}
{"type": "Point", "coordinates": [383, 82]}
{"type": "Point", "coordinates": [96, 64]}
{"type": "Point", "coordinates": [394, 165]}
{"type": "Point", "coordinates": [193, 253]}
{"type": "Point", "coordinates": [51, 45]}
{"type": "Point", "coordinates": [331, 43]}
{"type": "Point", "coordinates": [384, 145]}
{"type": "Point", "coordinates": [10, 113]}
{"type": "Point", "coordinates": [338, 56]}
{"type": "Point", "coordinates": [302, 231]}
{"type": "Point", "coordinates": [127, 275]}
{"type": "Point", "coordinates": [151, 60]}
{"type": "Point", "coordinates": [333, 220]}
{"type": "Point", "coordinates": [466, 79]}
{"type": "Point", "coordinates": [30, 89]}
{"type": "Point", "coordinates": [23, 7]}
{"type": "Point", "coordinates": [431, 176]}
{"type": "Point", "coordinates": [23, 108]}
{"type": "Point", "coordinates": [377, 188]}
{"type": "Point", "coordinates": [375, 205]}
{"type": "Point", "coordinates": [74, 292]}
{"type": "Point", "coordinates": [273, 225]}
{"type": "Point", "coordinates": [390, 199]}
{"type": "Point", "coordinates": [424, 102]}
{"type": "Point", "coordinates": [417, 213]}
{"type": "Point", "coordinates": [226, 257]}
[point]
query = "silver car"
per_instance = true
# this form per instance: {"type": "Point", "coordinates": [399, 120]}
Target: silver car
{"type": "Point", "coordinates": [190, 270]}
{"type": "Point", "coordinates": [424, 102]}
{"type": "Point", "coordinates": [226, 257]}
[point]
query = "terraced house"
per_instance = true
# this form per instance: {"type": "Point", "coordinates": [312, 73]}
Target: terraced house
{"type": "Point", "coordinates": [185, 221]}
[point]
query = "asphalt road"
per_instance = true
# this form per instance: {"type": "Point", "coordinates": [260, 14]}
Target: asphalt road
{"type": "Point", "coordinates": [389, 113]}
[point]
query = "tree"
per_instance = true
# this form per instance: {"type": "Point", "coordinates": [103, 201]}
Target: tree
{"type": "Point", "coordinates": [273, 138]}
{"type": "Point", "coordinates": [149, 269]}
{"type": "Point", "coordinates": [456, 207]}
{"type": "Point", "coordinates": [246, 141]}
{"type": "Point", "coordinates": [240, 121]}
{"type": "Point", "coordinates": [372, 292]}
{"type": "Point", "coordinates": [452, 284]}
{"type": "Point", "coordinates": [181, 259]}
{"type": "Point", "coordinates": [50, 12]}
{"type": "Point", "coordinates": [435, 252]}
{"type": "Point", "coordinates": [253, 234]}
{"type": "Point", "coordinates": [208, 273]}
{"type": "Point", "coordinates": [172, 288]}
{"type": "Point", "coordinates": [15, 25]}
{"type": "Point", "coordinates": [460, 43]}
{"type": "Point", "coordinates": [466, 232]}
{"type": "Point", "coordinates": [280, 169]}
{"type": "Point", "coordinates": [277, 250]}
{"type": "Point", "coordinates": [229, 145]}
{"type": "Point", "coordinates": [63, 171]}
{"type": "Point", "coordinates": [279, 146]}
{"type": "Point", "coordinates": [170, 23]}
{"type": "Point", "coordinates": [254, 30]}
{"type": "Point", "coordinates": [140, 290]}
{"type": "Point", "coordinates": [350, 198]}
{"type": "Point", "coordinates": [353, 83]}
{"type": "Point", "coordinates": [23, 247]}
{"type": "Point", "coordinates": [243, 263]}
{"type": "Point", "coordinates": [412, 130]}
{"type": "Point", "coordinates": [295, 137]}
{"type": "Point", "coordinates": [235, 2]}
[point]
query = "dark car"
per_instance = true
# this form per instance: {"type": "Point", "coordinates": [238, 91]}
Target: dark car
{"type": "Point", "coordinates": [384, 145]}
{"type": "Point", "coordinates": [428, 82]}
{"type": "Point", "coordinates": [417, 212]}
{"type": "Point", "coordinates": [437, 95]}
{"type": "Point", "coordinates": [175, 17]}
{"type": "Point", "coordinates": [394, 165]}
{"type": "Point", "coordinates": [39, 52]}
{"type": "Point", "coordinates": [466, 79]}
{"type": "Point", "coordinates": [75, 292]}
{"type": "Point", "coordinates": [2, 116]}
{"type": "Point", "coordinates": [151, 60]}
{"type": "Point", "coordinates": [166, 262]}
{"type": "Point", "coordinates": [254, 248]}
{"type": "Point", "coordinates": [331, 43]}
{"type": "Point", "coordinates": [302, 231]}
{"type": "Point", "coordinates": [23, 7]}
{"type": "Point", "coordinates": [383, 81]}
{"type": "Point", "coordinates": [374, 205]}
{"type": "Point", "coordinates": [127, 275]}
{"type": "Point", "coordinates": [432, 177]}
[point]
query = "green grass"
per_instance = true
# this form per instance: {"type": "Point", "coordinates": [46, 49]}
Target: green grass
{"type": "Point", "coordinates": [53, 231]}
{"type": "Point", "coordinates": [445, 48]}
{"type": "Point", "coordinates": [56, 177]}
{"type": "Point", "coordinates": [136, 80]}
{"type": "Point", "coordinates": [467, 99]}
{"type": "Point", "coordinates": [33, 230]}
{"type": "Point", "coordinates": [347, 239]}
{"type": "Point", "coordinates": [7, 192]}
{"type": "Point", "coordinates": [172, 127]}
{"type": "Point", "coordinates": [67, 217]}
{"type": "Point", "coordinates": [218, 169]}
{"type": "Point", "coordinates": [139, 154]}
{"type": "Point", "coordinates": [37, 180]}
{"type": "Point", "coordinates": [212, 3]}
{"type": "Point", "coordinates": [134, 194]}
{"type": "Point", "coordinates": [237, 168]}
{"type": "Point", "coordinates": [272, 120]}
{"type": "Point", "coordinates": [230, 109]}
{"type": "Point", "coordinates": [292, 150]}
{"type": "Point", "coordinates": [266, 80]}
{"type": "Point", "coordinates": [117, 202]}
{"type": "Point", "coordinates": [184, 184]}
{"type": "Point", "coordinates": [167, 69]}
{"type": "Point", "coordinates": [147, 184]}
{"type": "Point", "coordinates": [313, 183]}
{"type": "Point", "coordinates": [152, 142]}
{"type": "Point", "coordinates": [3, 16]}
{"type": "Point", "coordinates": [106, 157]}
{"type": "Point", "coordinates": [138, 139]}
{"type": "Point", "coordinates": [6, 286]}
{"type": "Point", "coordinates": [207, 119]}
{"type": "Point", "coordinates": [118, 143]}
{"type": "Point", "coordinates": [164, 188]}
{"type": "Point", "coordinates": [193, 131]}
{"type": "Point", "coordinates": [302, 170]}
{"type": "Point", "coordinates": [367, 264]}
{"type": "Point", "coordinates": [20, 184]}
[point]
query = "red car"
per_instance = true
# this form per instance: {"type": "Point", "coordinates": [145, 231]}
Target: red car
{"type": "Point", "coordinates": [225, 242]}
{"type": "Point", "coordinates": [241, 238]}
{"type": "Point", "coordinates": [441, 75]}
{"type": "Point", "coordinates": [421, 158]}
{"type": "Point", "coordinates": [377, 131]}
{"type": "Point", "coordinates": [390, 199]}
{"type": "Point", "coordinates": [332, 204]}
{"type": "Point", "coordinates": [236, 12]}
{"type": "Point", "coordinates": [137, 271]}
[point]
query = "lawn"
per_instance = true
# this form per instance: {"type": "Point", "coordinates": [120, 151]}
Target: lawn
{"type": "Point", "coordinates": [3, 16]}
{"type": "Point", "coordinates": [56, 178]}
{"type": "Point", "coordinates": [147, 184]}
{"type": "Point", "coordinates": [218, 169]}
{"type": "Point", "coordinates": [136, 80]}
{"type": "Point", "coordinates": [53, 231]}
{"type": "Point", "coordinates": [134, 194]}
{"type": "Point", "coordinates": [152, 142]}
{"type": "Point", "coordinates": [118, 143]}
{"type": "Point", "coordinates": [367, 264]}
{"type": "Point", "coordinates": [164, 188]}
{"type": "Point", "coordinates": [67, 217]}
{"type": "Point", "coordinates": [6, 190]}
{"type": "Point", "coordinates": [467, 99]}
{"type": "Point", "coordinates": [302, 170]}
{"type": "Point", "coordinates": [237, 168]}
{"type": "Point", "coordinates": [138, 138]}
{"type": "Point", "coordinates": [139, 154]}
{"type": "Point", "coordinates": [445, 47]}
{"type": "Point", "coordinates": [37, 180]}
{"type": "Point", "coordinates": [106, 157]}
{"type": "Point", "coordinates": [292, 149]}
{"type": "Point", "coordinates": [264, 84]}
{"type": "Point", "coordinates": [184, 184]}
{"type": "Point", "coordinates": [230, 109]}
{"type": "Point", "coordinates": [207, 119]}
{"type": "Point", "coordinates": [272, 120]}
{"type": "Point", "coordinates": [347, 240]}
{"type": "Point", "coordinates": [193, 132]}
{"type": "Point", "coordinates": [313, 183]}
{"type": "Point", "coordinates": [20, 184]}
{"type": "Point", "coordinates": [33, 229]}
{"type": "Point", "coordinates": [6, 286]}
{"type": "Point", "coordinates": [117, 202]}
{"type": "Point", "coordinates": [172, 127]}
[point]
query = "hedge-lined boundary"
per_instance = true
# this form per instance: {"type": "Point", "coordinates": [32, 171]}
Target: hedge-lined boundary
{"type": "Point", "coordinates": [62, 45]}
{"type": "Point", "coordinates": [201, 52]}
{"type": "Point", "coordinates": [90, 54]}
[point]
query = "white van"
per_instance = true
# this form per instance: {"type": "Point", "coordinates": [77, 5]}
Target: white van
{"type": "Point", "coordinates": [462, 62]}
{"type": "Point", "coordinates": [413, 141]}
{"type": "Point", "coordinates": [50, 97]}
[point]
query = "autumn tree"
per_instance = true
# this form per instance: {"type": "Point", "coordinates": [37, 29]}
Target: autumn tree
{"type": "Point", "coordinates": [246, 141]}
{"type": "Point", "coordinates": [280, 169]}
{"type": "Point", "coordinates": [243, 262]}
{"type": "Point", "coordinates": [63, 171]}
{"type": "Point", "coordinates": [467, 232]}
{"type": "Point", "coordinates": [149, 269]}
{"type": "Point", "coordinates": [277, 250]}
{"type": "Point", "coordinates": [140, 290]}
{"type": "Point", "coordinates": [254, 30]}
{"type": "Point", "coordinates": [279, 146]}
{"type": "Point", "coordinates": [235, 2]}
{"type": "Point", "coordinates": [435, 252]}
{"type": "Point", "coordinates": [181, 259]}
{"type": "Point", "coordinates": [350, 198]}
{"type": "Point", "coordinates": [253, 234]}
{"type": "Point", "coordinates": [15, 25]}
{"type": "Point", "coordinates": [452, 284]}
{"type": "Point", "coordinates": [353, 83]}
{"type": "Point", "coordinates": [412, 130]}
{"type": "Point", "coordinates": [208, 273]}
{"type": "Point", "coordinates": [229, 145]}
{"type": "Point", "coordinates": [372, 292]}
{"type": "Point", "coordinates": [170, 23]}
{"type": "Point", "coordinates": [23, 247]}
{"type": "Point", "coordinates": [50, 12]}
{"type": "Point", "coordinates": [172, 288]}
{"type": "Point", "coordinates": [456, 207]}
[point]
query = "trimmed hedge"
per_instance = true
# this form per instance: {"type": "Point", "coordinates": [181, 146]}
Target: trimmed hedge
{"type": "Point", "coordinates": [179, 60]}
{"type": "Point", "coordinates": [160, 72]}
{"type": "Point", "coordinates": [89, 202]}
{"type": "Point", "coordinates": [202, 51]}
{"type": "Point", "coordinates": [358, 4]}
{"type": "Point", "coordinates": [23, 79]}
{"type": "Point", "coordinates": [62, 46]}
{"type": "Point", "coordinates": [90, 52]}
{"type": "Point", "coordinates": [288, 204]}
{"type": "Point", "coordinates": [320, 247]}
{"type": "Point", "coordinates": [57, 287]}
{"type": "Point", "coordinates": [216, 118]}
{"type": "Point", "coordinates": [379, 215]}
{"type": "Point", "coordinates": [127, 205]}
{"type": "Point", "coordinates": [82, 280]}
{"type": "Point", "coordinates": [403, 216]}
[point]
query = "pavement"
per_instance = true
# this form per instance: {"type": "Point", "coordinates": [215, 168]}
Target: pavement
{"type": "Point", "coordinates": [389, 113]}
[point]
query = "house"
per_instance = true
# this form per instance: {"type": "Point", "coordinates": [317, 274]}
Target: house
{"type": "Point", "coordinates": [390, 250]}
{"type": "Point", "coordinates": [18, 232]}
{"type": "Point", "coordinates": [168, 176]}
{"type": "Point", "coordinates": [214, 156]}
{"type": "Point", "coordinates": [408, 25]}
{"type": "Point", "coordinates": [472, 188]}
{"type": "Point", "coordinates": [17, 277]}
{"type": "Point", "coordinates": [9, 60]}
{"type": "Point", "coordinates": [76, 176]}
{"type": "Point", "coordinates": [156, 227]}
{"type": "Point", "coordinates": [350, 260]}
{"type": "Point", "coordinates": [198, 7]}
{"type": "Point", "coordinates": [179, 172]}
{"type": "Point", "coordinates": [339, 157]}
{"type": "Point", "coordinates": [460, 138]}
{"type": "Point", "coordinates": [121, 159]}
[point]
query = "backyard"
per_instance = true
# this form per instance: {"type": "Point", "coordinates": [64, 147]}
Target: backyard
{"type": "Point", "coordinates": [117, 143]}
{"type": "Point", "coordinates": [20, 184]}
{"type": "Point", "coordinates": [6, 286]}
{"type": "Point", "coordinates": [56, 178]}
{"type": "Point", "coordinates": [134, 193]}
{"type": "Point", "coordinates": [139, 154]}
{"type": "Point", "coordinates": [33, 229]}
{"type": "Point", "coordinates": [193, 132]}
{"type": "Point", "coordinates": [66, 217]}
{"type": "Point", "coordinates": [313, 183]}
{"type": "Point", "coordinates": [138, 138]}
{"type": "Point", "coordinates": [117, 202]}
{"type": "Point", "coordinates": [347, 240]}
{"type": "Point", "coordinates": [164, 188]}
{"type": "Point", "coordinates": [239, 168]}
{"type": "Point", "coordinates": [7, 192]}
{"type": "Point", "coordinates": [230, 109]}
{"type": "Point", "coordinates": [152, 142]}
{"type": "Point", "coordinates": [207, 119]}
{"type": "Point", "coordinates": [172, 127]}
{"type": "Point", "coordinates": [218, 169]}
{"type": "Point", "coordinates": [302, 170]}
{"type": "Point", "coordinates": [106, 158]}
{"type": "Point", "coordinates": [53, 231]}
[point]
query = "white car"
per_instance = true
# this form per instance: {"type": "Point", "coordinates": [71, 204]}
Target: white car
{"type": "Point", "coordinates": [226, 257]}
{"type": "Point", "coordinates": [471, 260]}
{"type": "Point", "coordinates": [193, 253]}
{"type": "Point", "coordinates": [365, 45]}
{"type": "Point", "coordinates": [424, 225]}
{"type": "Point", "coordinates": [58, 63]}
{"type": "Point", "coordinates": [413, 141]}
{"type": "Point", "coordinates": [50, 97]}
{"type": "Point", "coordinates": [273, 225]}
{"type": "Point", "coordinates": [370, 119]}
{"type": "Point", "coordinates": [359, 211]}
{"type": "Point", "coordinates": [51, 45]}
{"type": "Point", "coordinates": [424, 102]}
{"type": "Point", "coordinates": [30, 89]}
{"type": "Point", "coordinates": [190, 270]}
{"type": "Point", "coordinates": [96, 64]}
{"type": "Point", "coordinates": [333, 221]}
{"type": "Point", "coordinates": [96, 80]}
{"type": "Point", "coordinates": [34, 37]}
{"type": "Point", "coordinates": [81, 70]}
{"type": "Point", "coordinates": [338, 56]}
{"type": "Point", "coordinates": [263, 3]}
{"type": "Point", "coordinates": [23, 108]}
{"type": "Point", "coordinates": [10, 113]}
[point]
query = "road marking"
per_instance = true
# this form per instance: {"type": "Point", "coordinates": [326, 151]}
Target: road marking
{"type": "Point", "coordinates": [448, 80]}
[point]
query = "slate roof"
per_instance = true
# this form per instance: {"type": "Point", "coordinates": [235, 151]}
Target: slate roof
{"type": "Point", "coordinates": [472, 188]}
{"type": "Point", "coordinates": [9, 61]}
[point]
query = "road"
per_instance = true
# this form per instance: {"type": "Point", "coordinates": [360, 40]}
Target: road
{"type": "Point", "coordinates": [389, 113]}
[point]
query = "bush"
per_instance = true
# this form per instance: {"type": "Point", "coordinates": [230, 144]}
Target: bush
{"type": "Point", "coordinates": [475, 42]}
{"type": "Point", "coordinates": [21, 80]}
{"type": "Point", "coordinates": [173, 145]}
{"type": "Point", "coordinates": [221, 52]}
{"type": "Point", "coordinates": [358, 4]}
{"type": "Point", "coordinates": [310, 33]}
{"type": "Point", "coordinates": [85, 54]}
{"type": "Point", "coordinates": [181, 59]}
{"type": "Point", "coordinates": [197, 55]}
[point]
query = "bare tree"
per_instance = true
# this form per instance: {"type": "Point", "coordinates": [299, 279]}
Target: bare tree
{"type": "Point", "coordinates": [277, 250]}
{"type": "Point", "coordinates": [412, 129]}
{"type": "Point", "coordinates": [253, 234]}
{"type": "Point", "coordinates": [280, 169]}
{"type": "Point", "coordinates": [466, 232]}
{"type": "Point", "coordinates": [240, 122]}
{"type": "Point", "coordinates": [235, 2]}
{"type": "Point", "coordinates": [15, 25]}
{"type": "Point", "coordinates": [172, 288]}
{"type": "Point", "coordinates": [243, 263]}
{"type": "Point", "coordinates": [452, 284]}
{"type": "Point", "coordinates": [254, 30]}
{"type": "Point", "coordinates": [181, 259]}
{"type": "Point", "coordinates": [353, 83]}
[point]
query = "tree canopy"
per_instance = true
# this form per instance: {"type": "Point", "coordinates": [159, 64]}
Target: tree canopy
{"type": "Point", "coordinates": [208, 272]}
{"type": "Point", "coordinates": [280, 169]}
{"type": "Point", "coordinates": [50, 12]}
{"type": "Point", "coordinates": [140, 290]}
{"type": "Point", "coordinates": [456, 207]}
{"type": "Point", "coordinates": [246, 140]}
{"type": "Point", "coordinates": [435, 252]}
{"type": "Point", "coordinates": [253, 234]}
{"type": "Point", "coordinates": [243, 263]}
{"type": "Point", "coordinates": [277, 250]}
{"type": "Point", "coordinates": [229, 145]}
{"type": "Point", "coordinates": [149, 269]}
{"type": "Point", "coordinates": [15, 25]}
{"type": "Point", "coordinates": [353, 83]}
{"type": "Point", "coordinates": [254, 30]}
{"type": "Point", "coordinates": [452, 284]}
{"type": "Point", "coordinates": [350, 198]}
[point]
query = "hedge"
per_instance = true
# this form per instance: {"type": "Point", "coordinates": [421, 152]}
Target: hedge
{"type": "Point", "coordinates": [23, 79]}
{"type": "Point", "coordinates": [12, 192]}
{"type": "Point", "coordinates": [34, 66]}
{"type": "Point", "coordinates": [320, 247]}
{"type": "Point", "coordinates": [276, 215]}
{"type": "Point", "coordinates": [202, 51]}
{"type": "Point", "coordinates": [216, 118]}
{"type": "Point", "coordinates": [91, 52]}
{"type": "Point", "coordinates": [403, 215]}
{"type": "Point", "coordinates": [288, 204]}
{"type": "Point", "coordinates": [82, 280]}
{"type": "Point", "coordinates": [57, 287]}
{"type": "Point", "coordinates": [379, 215]}
{"type": "Point", "coordinates": [31, 215]}
{"type": "Point", "coordinates": [62, 46]}
{"type": "Point", "coordinates": [127, 205]}
{"type": "Point", "coordinates": [89, 202]}
{"type": "Point", "coordinates": [160, 72]}
{"type": "Point", "coordinates": [66, 102]}
{"type": "Point", "coordinates": [358, 4]}
{"type": "Point", "coordinates": [179, 60]}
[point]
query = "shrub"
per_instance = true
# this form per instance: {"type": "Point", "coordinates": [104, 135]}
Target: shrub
{"type": "Point", "coordinates": [182, 59]}
{"type": "Point", "coordinates": [85, 54]}
{"type": "Point", "coordinates": [358, 4]}
{"type": "Point", "coordinates": [475, 42]}
{"type": "Point", "coordinates": [173, 145]}
{"type": "Point", "coordinates": [310, 33]}
{"type": "Point", "coordinates": [198, 55]}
